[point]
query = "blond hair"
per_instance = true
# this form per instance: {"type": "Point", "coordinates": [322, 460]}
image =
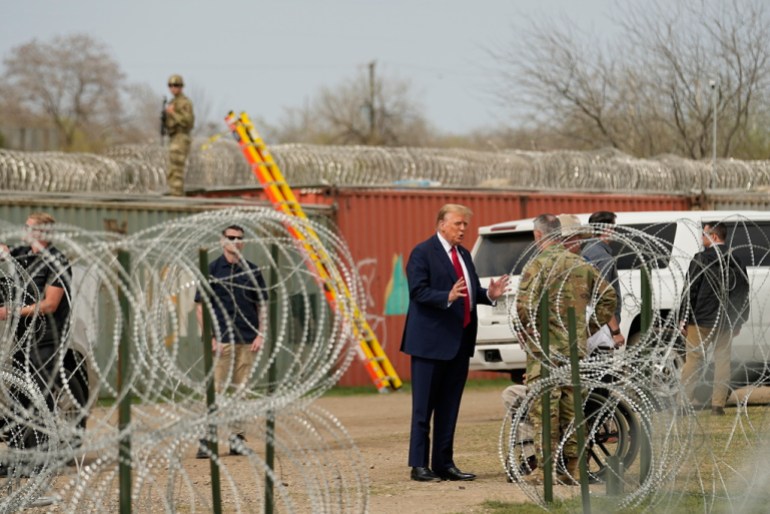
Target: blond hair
{"type": "Point", "coordinates": [453, 207]}
{"type": "Point", "coordinates": [42, 218]}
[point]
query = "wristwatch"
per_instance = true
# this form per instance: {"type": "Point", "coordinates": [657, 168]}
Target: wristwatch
{"type": "Point", "coordinates": [615, 332]}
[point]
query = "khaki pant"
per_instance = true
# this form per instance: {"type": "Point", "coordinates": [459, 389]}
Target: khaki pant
{"type": "Point", "coordinates": [699, 339]}
{"type": "Point", "coordinates": [562, 414]}
{"type": "Point", "coordinates": [178, 149]}
{"type": "Point", "coordinates": [524, 439]}
{"type": "Point", "coordinates": [232, 369]}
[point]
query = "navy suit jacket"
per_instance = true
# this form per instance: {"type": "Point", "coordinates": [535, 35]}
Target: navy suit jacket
{"type": "Point", "coordinates": [434, 330]}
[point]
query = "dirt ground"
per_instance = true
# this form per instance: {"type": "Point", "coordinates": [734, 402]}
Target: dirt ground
{"type": "Point", "coordinates": [380, 426]}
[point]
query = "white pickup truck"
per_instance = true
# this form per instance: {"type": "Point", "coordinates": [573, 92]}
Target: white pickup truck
{"type": "Point", "coordinates": [673, 237]}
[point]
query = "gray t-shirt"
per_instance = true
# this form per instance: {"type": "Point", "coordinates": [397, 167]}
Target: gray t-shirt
{"type": "Point", "coordinates": [599, 254]}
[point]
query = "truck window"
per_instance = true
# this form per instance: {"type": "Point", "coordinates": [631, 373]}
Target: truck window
{"type": "Point", "coordinates": [628, 258]}
{"type": "Point", "coordinates": [499, 254]}
{"type": "Point", "coordinates": [750, 241]}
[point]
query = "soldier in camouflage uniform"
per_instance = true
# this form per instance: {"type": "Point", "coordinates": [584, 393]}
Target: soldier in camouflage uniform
{"type": "Point", "coordinates": [569, 281]}
{"type": "Point", "coordinates": [179, 123]}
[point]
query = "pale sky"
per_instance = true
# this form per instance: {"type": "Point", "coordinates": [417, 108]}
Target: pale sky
{"type": "Point", "coordinates": [264, 56]}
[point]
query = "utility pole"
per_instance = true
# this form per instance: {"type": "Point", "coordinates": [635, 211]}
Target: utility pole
{"type": "Point", "coordinates": [372, 120]}
{"type": "Point", "coordinates": [713, 84]}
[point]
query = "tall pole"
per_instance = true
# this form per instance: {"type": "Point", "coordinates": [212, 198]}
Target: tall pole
{"type": "Point", "coordinates": [372, 124]}
{"type": "Point", "coordinates": [713, 84]}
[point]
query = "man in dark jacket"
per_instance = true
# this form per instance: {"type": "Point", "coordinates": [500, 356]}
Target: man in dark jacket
{"type": "Point", "coordinates": [238, 302]}
{"type": "Point", "coordinates": [716, 307]}
{"type": "Point", "coordinates": [440, 335]}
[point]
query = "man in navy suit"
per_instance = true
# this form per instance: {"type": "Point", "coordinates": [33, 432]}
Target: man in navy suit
{"type": "Point", "coordinates": [440, 334]}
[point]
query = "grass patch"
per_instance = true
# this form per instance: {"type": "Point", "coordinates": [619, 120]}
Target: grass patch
{"type": "Point", "coordinates": [685, 504]}
{"type": "Point", "coordinates": [476, 384]}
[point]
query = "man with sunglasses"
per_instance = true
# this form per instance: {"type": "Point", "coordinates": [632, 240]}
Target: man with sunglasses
{"type": "Point", "coordinates": [179, 122]}
{"type": "Point", "coordinates": [237, 298]}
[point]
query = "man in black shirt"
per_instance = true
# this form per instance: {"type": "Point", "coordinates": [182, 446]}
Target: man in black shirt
{"type": "Point", "coordinates": [238, 301]}
{"type": "Point", "coordinates": [716, 306]}
{"type": "Point", "coordinates": [39, 304]}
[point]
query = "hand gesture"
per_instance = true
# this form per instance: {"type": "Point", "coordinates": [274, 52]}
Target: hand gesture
{"type": "Point", "coordinates": [459, 290]}
{"type": "Point", "coordinates": [497, 287]}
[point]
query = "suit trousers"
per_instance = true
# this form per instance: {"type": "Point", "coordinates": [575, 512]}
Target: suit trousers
{"type": "Point", "coordinates": [437, 389]}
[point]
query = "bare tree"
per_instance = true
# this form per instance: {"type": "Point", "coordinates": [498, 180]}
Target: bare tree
{"type": "Point", "coordinates": [369, 109]}
{"type": "Point", "coordinates": [650, 90]}
{"type": "Point", "coordinates": [71, 81]}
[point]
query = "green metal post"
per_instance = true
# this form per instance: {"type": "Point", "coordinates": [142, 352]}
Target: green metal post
{"type": "Point", "coordinates": [124, 387]}
{"type": "Point", "coordinates": [574, 359]}
{"type": "Point", "coordinates": [645, 450]}
{"type": "Point", "coordinates": [272, 376]}
{"type": "Point", "coordinates": [646, 314]}
{"type": "Point", "coordinates": [543, 315]}
{"type": "Point", "coordinates": [211, 399]}
{"type": "Point", "coordinates": [614, 475]}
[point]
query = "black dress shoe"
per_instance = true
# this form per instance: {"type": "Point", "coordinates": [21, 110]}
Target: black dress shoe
{"type": "Point", "coordinates": [422, 474]}
{"type": "Point", "coordinates": [453, 473]}
{"type": "Point", "coordinates": [203, 450]}
{"type": "Point", "coordinates": [238, 446]}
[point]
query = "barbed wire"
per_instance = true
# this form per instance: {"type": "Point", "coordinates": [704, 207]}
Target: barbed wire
{"type": "Point", "coordinates": [310, 344]}
{"type": "Point", "coordinates": [219, 163]}
{"type": "Point", "coordinates": [634, 398]}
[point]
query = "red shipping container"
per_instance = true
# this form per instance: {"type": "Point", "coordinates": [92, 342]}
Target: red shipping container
{"type": "Point", "coordinates": [382, 225]}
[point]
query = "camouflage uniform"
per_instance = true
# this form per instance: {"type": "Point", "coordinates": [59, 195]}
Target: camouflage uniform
{"type": "Point", "coordinates": [179, 124]}
{"type": "Point", "coordinates": [571, 282]}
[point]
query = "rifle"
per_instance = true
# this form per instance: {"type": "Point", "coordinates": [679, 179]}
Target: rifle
{"type": "Point", "coordinates": [163, 116]}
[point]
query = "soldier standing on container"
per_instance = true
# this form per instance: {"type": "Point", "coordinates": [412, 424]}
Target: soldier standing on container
{"type": "Point", "coordinates": [569, 281]}
{"type": "Point", "coordinates": [179, 121]}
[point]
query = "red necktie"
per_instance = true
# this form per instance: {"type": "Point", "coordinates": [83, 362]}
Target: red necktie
{"type": "Point", "coordinates": [467, 299]}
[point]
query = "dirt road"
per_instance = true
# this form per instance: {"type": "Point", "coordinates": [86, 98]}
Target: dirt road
{"type": "Point", "coordinates": [380, 426]}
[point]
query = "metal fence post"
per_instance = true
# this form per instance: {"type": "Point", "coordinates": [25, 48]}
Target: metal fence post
{"type": "Point", "coordinates": [272, 376]}
{"type": "Point", "coordinates": [211, 405]}
{"type": "Point", "coordinates": [124, 387]}
{"type": "Point", "coordinates": [645, 450]}
{"type": "Point", "coordinates": [577, 397]}
{"type": "Point", "coordinates": [543, 315]}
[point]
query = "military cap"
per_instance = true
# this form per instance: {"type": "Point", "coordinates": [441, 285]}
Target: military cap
{"type": "Point", "coordinates": [175, 80]}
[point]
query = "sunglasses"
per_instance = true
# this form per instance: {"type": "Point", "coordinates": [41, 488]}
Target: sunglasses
{"type": "Point", "coordinates": [175, 85]}
{"type": "Point", "coordinates": [234, 238]}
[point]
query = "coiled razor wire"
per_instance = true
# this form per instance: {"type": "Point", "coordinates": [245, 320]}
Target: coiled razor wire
{"type": "Point", "coordinates": [636, 396]}
{"type": "Point", "coordinates": [309, 344]}
{"type": "Point", "coordinates": [142, 168]}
